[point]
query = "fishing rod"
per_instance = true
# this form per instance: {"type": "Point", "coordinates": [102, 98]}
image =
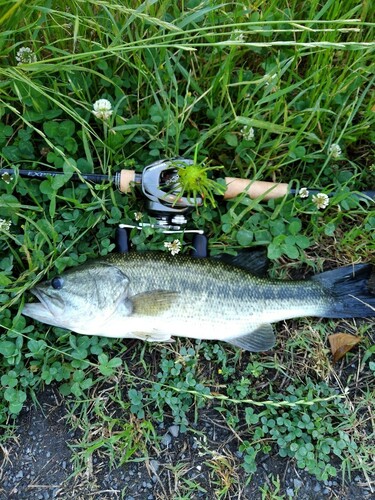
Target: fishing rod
{"type": "Point", "coordinates": [160, 185]}
{"type": "Point", "coordinates": [159, 173]}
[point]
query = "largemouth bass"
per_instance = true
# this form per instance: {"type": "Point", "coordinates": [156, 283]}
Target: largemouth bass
{"type": "Point", "coordinates": [154, 296]}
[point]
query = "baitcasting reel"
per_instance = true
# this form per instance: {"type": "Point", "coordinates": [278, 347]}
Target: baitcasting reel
{"type": "Point", "coordinates": [160, 185]}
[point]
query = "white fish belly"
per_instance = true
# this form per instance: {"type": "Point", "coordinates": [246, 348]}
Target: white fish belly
{"type": "Point", "coordinates": [209, 327]}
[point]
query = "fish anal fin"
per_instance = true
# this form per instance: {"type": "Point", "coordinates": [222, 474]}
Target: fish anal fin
{"type": "Point", "coordinates": [262, 338]}
{"type": "Point", "coordinates": [153, 303]}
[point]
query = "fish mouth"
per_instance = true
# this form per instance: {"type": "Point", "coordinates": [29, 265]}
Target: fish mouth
{"type": "Point", "coordinates": [44, 310]}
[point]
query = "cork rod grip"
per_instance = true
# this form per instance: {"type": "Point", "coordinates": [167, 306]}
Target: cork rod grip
{"type": "Point", "coordinates": [127, 177]}
{"type": "Point", "coordinates": [254, 189]}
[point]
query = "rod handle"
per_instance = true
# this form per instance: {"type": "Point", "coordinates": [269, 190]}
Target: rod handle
{"type": "Point", "coordinates": [126, 179]}
{"type": "Point", "coordinates": [254, 189]}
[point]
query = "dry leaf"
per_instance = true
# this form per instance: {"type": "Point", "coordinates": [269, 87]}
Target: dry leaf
{"type": "Point", "coordinates": [341, 343]}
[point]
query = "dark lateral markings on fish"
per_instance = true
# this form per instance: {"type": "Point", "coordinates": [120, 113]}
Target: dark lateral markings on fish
{"type": "Point", "coordinates": [155, 296]}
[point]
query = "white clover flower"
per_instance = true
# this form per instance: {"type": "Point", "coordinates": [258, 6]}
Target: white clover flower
{"type": "Point", "coordinates": [174, 247]}
{"type": "Point", "coordinates": [268, 79]}
{"type": "Point", "coordinates": [303, 192]}
{"type": "Point", "coordinates": [25, 56]}
{"type": "Point", "coordinates": [5, 225]}
{"type": "Point", "coordinates": [102, 109]}
{"type": "Point", "coordinates": [321, 200]}
{"type": "Point", "coordinates": [238, 36]}
{"type": "Point", "coordinates": [335, 150]}
{"type": "Point", "coordinates": [7, 178]}
{"type": "Point", "coordinates": [248, 133]}
{"type": "Point", "coordinates": [138, 216]}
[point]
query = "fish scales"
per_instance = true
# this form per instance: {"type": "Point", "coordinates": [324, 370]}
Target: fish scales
{"type": "Point", "coordinates": [223, 287]}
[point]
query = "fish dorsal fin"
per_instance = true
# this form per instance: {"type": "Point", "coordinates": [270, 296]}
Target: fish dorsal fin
{"type": "Point", "coordinates": [153, 303]}
{"type": "Point", "coordinates": [254, 261]}
{"type": "Point", "coordinates": [258, 340]}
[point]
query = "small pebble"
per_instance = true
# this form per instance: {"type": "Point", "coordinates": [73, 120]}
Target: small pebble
{"type": "Point", "coordinates": [290, 492]}
{"type": "Point", "coordinates": [174, 430]}
{"type": "Point", "coordinates": [154, 464]}
{"type": "Point", "coordinates": [166, 440]}
{"type": "Point", "coordinates": [297, 483]}
{"type": "Point", "coordinates": [317, 487]}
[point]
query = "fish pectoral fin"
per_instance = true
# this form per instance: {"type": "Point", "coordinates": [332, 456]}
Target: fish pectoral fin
{"type": "Point", "coordinates": [154, 302]}
{"type": "Point", "coordinates": [262, 338]}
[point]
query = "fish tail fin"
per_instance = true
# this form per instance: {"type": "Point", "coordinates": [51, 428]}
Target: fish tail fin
{"type": "Point", "coordinates": [353, 291]}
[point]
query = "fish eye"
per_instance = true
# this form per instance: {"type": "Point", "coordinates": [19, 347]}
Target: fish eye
{"type": "Point", "coordinates": [57, 283]}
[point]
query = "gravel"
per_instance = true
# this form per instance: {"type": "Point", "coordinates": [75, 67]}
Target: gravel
{"type": "Point", "coordinates": [40, 466]}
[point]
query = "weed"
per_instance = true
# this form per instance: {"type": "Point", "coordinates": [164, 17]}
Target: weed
{"type": "Point", "coordinates": [180, 374]}
{"type": "Point", "coordinates": [271, 490]}
{"type": "Point", "coordinates": [195, 183]}
{"type": "Point", "coordinates": [308, 434]}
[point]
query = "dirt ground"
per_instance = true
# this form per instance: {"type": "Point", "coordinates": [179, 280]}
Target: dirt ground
{"type": "Point", "coordinates": [38, 466]}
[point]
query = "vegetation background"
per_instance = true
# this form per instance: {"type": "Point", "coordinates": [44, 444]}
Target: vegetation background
{"type": "Point", "coordinates": [269, 90]}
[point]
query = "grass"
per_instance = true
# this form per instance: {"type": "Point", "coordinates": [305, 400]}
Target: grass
{"type": "Point", "coordinates": [190, 79]}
